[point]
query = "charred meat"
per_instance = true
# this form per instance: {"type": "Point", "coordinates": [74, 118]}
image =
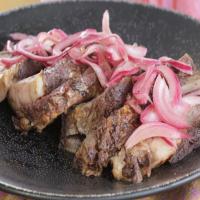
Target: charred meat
{"type": "Point", "coordinates": [133, 164]}
{"type": "Point", "coordinates": [189, 83]}
{"type": "Point", "coordinates": [187, 146]}
{"type": "Point", "coordinates": [27, 91]}
{"type": "Point", "coordinates": [86, 117]}
{"type": "Point", "coordinates": [101, 144]}
{"type": "Point", "coordinates": [44, 110]}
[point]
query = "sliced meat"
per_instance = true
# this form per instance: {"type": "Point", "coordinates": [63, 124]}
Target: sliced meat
{"type": "Point", "coordinates": [187, 59]}
{"type": "Point", "coordinates": [28, 90]}
{"type": "Point", "coordinates": [187, 146]}
{"type": "Point", "coordinates": [86, 157]}
{"type": "Point", "coordinates": [133, 164]}
{"type": "Point", "coordinates": [101, 144]}
{"type": "Point", "coordinates": [73, 143]}
{"type": "Point", "coordinates": [189, 83]}
{"type": "Point", "coordinates": [127, 168]}
{"type": "Point", "coordinates": [193, 116]}
{"type": "Point", "coordinates": [44, 110]}
{"type": "Point", "coordinates": [28, 68]}
{"type": "Point", "coordinates": [86, 117]}
{"type": "Point", "coordinates": [16, 72]}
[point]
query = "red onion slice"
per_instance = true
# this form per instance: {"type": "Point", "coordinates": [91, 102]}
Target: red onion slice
{"type": "Point", "coordinates": [97, 69]}
{"type": "Point", "coordinates": [170, 142]}
{"type": "Point", "coordinates": [92, 49]}
{"type": "Point", "coordinates": [11, 61]}
{"type": "Point", "coordinates": [57, 34]}
{"type": "Point", "coordinates": [136, 51]}
{"type": "Point", "coordinates": [144, 63]}
{"type": "Point", "coordinates": [10, 47]}
{"type": "Point", "coordinates": [149, 114]}
{"type": "Point", "coordinates": [98, 50]}
{"type": "Point", "coordinates": [47, 45]}
{"type": "Point", "coordinates": [103, 63]}
{"type": "Point", "coordinates": [25, 47]}
{"type": "Point", "coordinates": [74, 39]}
{"type": "Point", "coordinates": [194, 93]}
{"type": "Point", "coordinates": [142, 87]}
{"type": "Point", "coordinates": [191, 100]}
{"type": "Point", "coordinates": [134, 105]}
{"type": "Point", "coordinates": [75, 53]}
{"type": "Point", "coordinates": [122, 70]}
{"type": "Point", "coordinates": [154, 129]}
{"type": "Point", "coordinates": [106, 23]}
{"type": "Point", "coordinates": [113, 55]}
{"type": "Point", "coordinates": [124, 67]}
{"type": "Point", "coordinates": [181, 66]}
{"type": "Point", "coordinates": [173, 82]}
{"type": "Point", "coordinates": [122, 74]}
{"type": "Point", "coordinates": [173, 114]}
{"type": "Point", "coordinates": [112, 40]}
{"type": "Point", "coordinates": [49, 39]}
{"type": "Point", "coordinates": [18, 36]}
{"type": "Point", "coordinates": [59, 47]}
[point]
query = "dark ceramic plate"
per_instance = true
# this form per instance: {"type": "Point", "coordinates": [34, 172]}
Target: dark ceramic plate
{"type": "Point", "coordinates": [31, 165]}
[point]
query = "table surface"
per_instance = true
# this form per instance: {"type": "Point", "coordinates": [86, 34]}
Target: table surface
{"type": "Point", "coordinates": [187, 192]}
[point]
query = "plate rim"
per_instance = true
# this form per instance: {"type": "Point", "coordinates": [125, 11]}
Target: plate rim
{"type": "Point", "coordinates": [113, 196]}
{"type": "Point", "coordinates": [12, 189]}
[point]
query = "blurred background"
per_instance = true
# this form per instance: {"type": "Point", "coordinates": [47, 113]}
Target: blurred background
{"type": "Point", "coordinates": [189, 7]}
{"type": "Point", "coordinates": [9, 4]}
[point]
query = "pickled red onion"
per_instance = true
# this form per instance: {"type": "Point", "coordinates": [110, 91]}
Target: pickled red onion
{"type": "Point", "coordinates": [173, 114]}
{"type": "Point", "coordinates": [154, 129]}
{"type": "Point", "coordinates": [149, 114]}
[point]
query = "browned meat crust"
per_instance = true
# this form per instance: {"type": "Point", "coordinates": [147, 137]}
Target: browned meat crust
{"type": "Point", "coordinates": [63, 70]}
{"type": "Point", "coordinates": [189, 83]}
{"type": "Point", "coordinates": [30, 89]}
{"type": "Point", "coordinates": [135, 163]}
{"type": "Point", "coordinates": [72, 143]}
{"type": "Point", "coordinates": [187, 146]}
{"type": "Point", "coordinates": [186, 58]}
{"type": "Point", "coordinates": [86, 117]}
{"type": "Point", "coordinates": [101, 144]}
{"type": "Point", "coordinates": [28, 68]}
{"type": "Point", "coordinates": [44, 110]}
{"type": "Point", "coordinates": [193, 116]}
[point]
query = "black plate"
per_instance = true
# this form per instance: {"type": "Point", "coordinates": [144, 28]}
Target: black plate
{"type": "Point", "coordinates": [32, 165]}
